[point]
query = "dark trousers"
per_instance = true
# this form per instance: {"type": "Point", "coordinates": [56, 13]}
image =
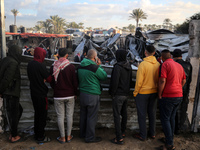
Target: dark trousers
{"type": "Point", "coordinates": [40, 105]}
{"type": "Point", "coordinates": [181, 114]}
{"type": "Point", "coordinates": [88, 115]}
{"type": "Point", "coordinates": [168, 108]}
{"type": "Point", "coordinates": [146, 104]}
{"type": "Point", "coordinates": [13, 112]}
{"type": "Point", "coordinates": [119, 104]}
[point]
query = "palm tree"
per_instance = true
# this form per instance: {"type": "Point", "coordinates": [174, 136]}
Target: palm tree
{"type": "Point", "coordinates": [131, 28]}
{"type": "Point", "coordinates": [58, 23]}
{"type": "Point", "coordinates": [54, 22]}
{"type": "Point", "coordinates": [89, 28]}
{"type": "Point", "coordinates": [154, 26]}
{"type": "Point", "coordinates": [167, 23]}
{"type": "Point", "coordinates": [145, 27]}
{"type": "Point", "coordinates": [138, 15]}
{"type": "Point", "coordinates": [15, 12]}
{"type": "Point", "coordinates": [124, 28]}
{"type": "Point", "coordinates": [47, 25]}
{"type": "Point", "coordinates": [38, 28]}
{"type": "Point", "coordinates": [159, 26]}
{"type": "Point", "coordinates": [73, 25]}
{"type": "Point", "coordinates": [81, 25]}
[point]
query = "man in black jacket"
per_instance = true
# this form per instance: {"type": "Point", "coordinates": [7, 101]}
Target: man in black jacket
{"type": "Point", "coordinates": [181, 114]}
{"type": "Point", "coordinates": [10, 81]}
{"type": "Point", "coordinates": [119, 90]}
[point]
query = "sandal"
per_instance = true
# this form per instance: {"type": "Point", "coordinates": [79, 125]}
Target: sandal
{"type": "Point", "coordinates": [167, 147]}
{"type": "Point", "coordinates": [68, 141]}
{"type": "Point", "coordinates": [153, 137]}
{"type": "Point", "coordinates": [170, 147]}
{"type": "Point", "coordinates": [58, 139]}
{"type": "Point", "coordinates": [123, 135]}
{"type": "Point", "coordinates": [46, 139]}
{"type": "Point", "coordinates": [115, 141]}
{"type": "Point", "coordinates": [137, 136]}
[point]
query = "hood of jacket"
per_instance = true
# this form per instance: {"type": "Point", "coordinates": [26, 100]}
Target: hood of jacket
{"type": "Point", "coordinates": [124, 64]}
{"type": "Point", "coordinates": [15, 52]}
{"type": "Point", "coordinates": [151, 59]}
{"type": "Point", "coordinates": [39, 54]}
{"type": "Point", "coordinates": [86, 62]}
{"type": "Point", "coordinates": [121, 55]}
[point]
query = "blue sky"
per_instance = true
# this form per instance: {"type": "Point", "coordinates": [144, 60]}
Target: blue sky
{"type": "Point", "coordinates": [96, 13]}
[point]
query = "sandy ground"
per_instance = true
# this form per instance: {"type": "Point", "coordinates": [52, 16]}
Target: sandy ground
{"type": "Point", "coordinates": [187, 141]}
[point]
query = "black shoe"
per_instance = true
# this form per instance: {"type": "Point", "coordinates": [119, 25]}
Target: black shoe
{"type": "Point", "coordinates": [95, 140]}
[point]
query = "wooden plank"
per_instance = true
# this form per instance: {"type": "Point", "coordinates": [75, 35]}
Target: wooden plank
{"type": "Point", "coordinates": [193, 54]}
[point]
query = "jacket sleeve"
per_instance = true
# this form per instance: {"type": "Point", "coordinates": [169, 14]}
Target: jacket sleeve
{"type": "Point", "coordinates": [8, 76]}
{"type": "Point", "coordinates": [101, 74]}
{"type": "Point", "coordinates": [44, 72]}
{"type": "Point", "coordinates": [114, 80]}
{"type": "Point", "coordinates": [139, 80]}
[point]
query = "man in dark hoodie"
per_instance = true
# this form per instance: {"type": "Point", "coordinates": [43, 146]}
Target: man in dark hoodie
{"type": "Point", "coordinates": [181, 114]}
{"type": "Point", "coordinates": [38, 75]}
{"type": "Point", "coordinates": [119, 90]}
{"type": "Point", "coordinates": [10, 81]}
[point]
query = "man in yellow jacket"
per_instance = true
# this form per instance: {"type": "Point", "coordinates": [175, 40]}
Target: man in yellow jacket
{"type": "Point", "coordinates": [145, 93]}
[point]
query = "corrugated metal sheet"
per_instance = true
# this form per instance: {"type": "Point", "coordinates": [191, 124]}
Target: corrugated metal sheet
{"type": "Point", "coordinates": [27, 35]}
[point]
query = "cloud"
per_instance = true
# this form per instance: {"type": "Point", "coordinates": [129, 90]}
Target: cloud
{"type": "Point", "coordinates": [176, 11]}
{"type": "Point", "coordinates": [95, 13]}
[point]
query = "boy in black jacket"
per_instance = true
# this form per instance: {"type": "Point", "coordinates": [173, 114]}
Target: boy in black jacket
{"type": "Point", "coordinates": [119, 90]}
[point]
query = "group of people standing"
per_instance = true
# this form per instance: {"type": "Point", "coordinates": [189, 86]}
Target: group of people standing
{"type": "Point", "coordinates": [169, 81]}
{"type": "Point", "coordinates": [164, 82]}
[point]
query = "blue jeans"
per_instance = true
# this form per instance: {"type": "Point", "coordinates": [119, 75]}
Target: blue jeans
{"type": "Point", "coordinates": [168, 108]}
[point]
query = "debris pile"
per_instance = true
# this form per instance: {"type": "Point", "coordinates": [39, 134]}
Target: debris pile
{"type": "Point", "coordinates": [133, 44]}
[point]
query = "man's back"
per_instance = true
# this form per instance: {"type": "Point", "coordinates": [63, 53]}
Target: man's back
{"type": "Point", "coordinates": [37, 73]}
{"type": "Point", "coordinates": [121, 79]}
{"type": "Point", "coordinates": [10, 79]}
{"type": "Point", "coordinates": [147, 76]}
{"type": "Point", "coordinates": [188, 72]}
{"type": "Point", "coordinates": [66, 84]}
{"type": "Point", "coordinates": [89, 75]}
{"type": "Point", "coordinates": [174, 74]}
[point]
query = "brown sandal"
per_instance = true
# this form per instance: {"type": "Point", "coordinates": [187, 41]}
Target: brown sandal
{"type": "Point", "coordinates": [137, 136]}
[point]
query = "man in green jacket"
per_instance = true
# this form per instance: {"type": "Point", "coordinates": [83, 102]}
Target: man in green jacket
{"type": "Point", "coordinates": [10, 81]}
{"type": "Point", "coordinates": [90, 73]}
